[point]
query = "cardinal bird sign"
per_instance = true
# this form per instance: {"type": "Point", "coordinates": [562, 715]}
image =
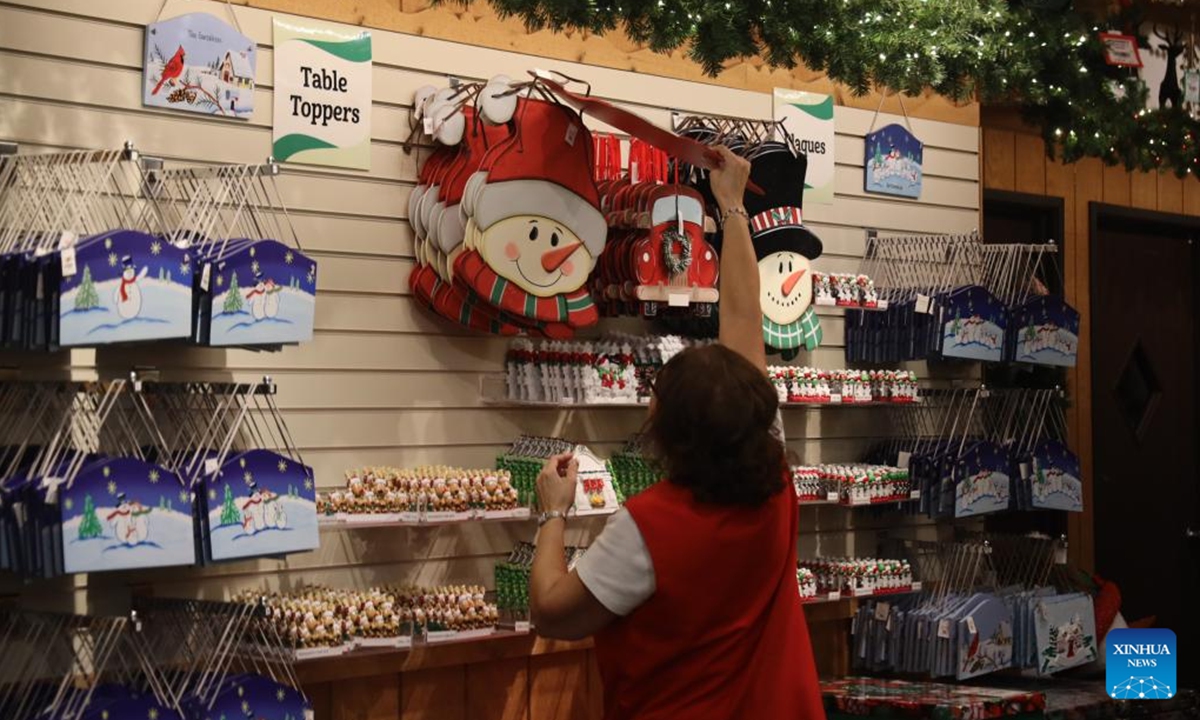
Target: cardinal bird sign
{"type": "Point", "coordinates": [197, 63]}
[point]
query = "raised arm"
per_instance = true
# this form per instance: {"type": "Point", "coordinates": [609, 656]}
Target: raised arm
{"type": "Point", "coordinates": [741, 311]}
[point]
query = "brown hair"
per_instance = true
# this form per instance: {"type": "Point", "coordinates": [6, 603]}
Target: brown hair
{"type": "Point", "coordinates": [711, 428]}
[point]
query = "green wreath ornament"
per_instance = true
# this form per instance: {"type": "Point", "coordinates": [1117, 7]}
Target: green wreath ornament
{"type": "Point", "coordinates": [676, 264]}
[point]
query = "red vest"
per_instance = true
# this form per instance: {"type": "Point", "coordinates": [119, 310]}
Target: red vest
{"type": "Point", "coordinates": [724, 635]}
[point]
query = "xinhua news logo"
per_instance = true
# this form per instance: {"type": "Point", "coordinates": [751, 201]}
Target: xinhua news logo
{"type": "Point", "coordinates": [1140, 664]}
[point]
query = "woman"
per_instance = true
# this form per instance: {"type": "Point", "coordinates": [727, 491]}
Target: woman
{"type": "Point", "coordinates": [691, 589]}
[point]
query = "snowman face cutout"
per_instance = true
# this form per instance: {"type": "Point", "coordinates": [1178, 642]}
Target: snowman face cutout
{"type": "Point", "coordinates": [785, 290]}
{"type": "Point", "coordinates": [543, 257]}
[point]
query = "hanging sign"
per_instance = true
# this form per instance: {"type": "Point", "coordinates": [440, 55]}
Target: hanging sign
{"type": "Point", "coordinates": [197, 63]}
{"type": "Point", "coordinates": [322, 95]}
{"type": "Point", "coordinates": [809, 118]}
{"type": "Point", "coordinates": [893, 162]}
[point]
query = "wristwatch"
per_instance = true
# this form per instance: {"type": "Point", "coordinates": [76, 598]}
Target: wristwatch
{"type": "Point", "coordinates": [548, 516]}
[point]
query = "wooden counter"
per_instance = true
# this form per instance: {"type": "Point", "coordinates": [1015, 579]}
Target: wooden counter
{"type": "Point", "coordinates": [505, 676]}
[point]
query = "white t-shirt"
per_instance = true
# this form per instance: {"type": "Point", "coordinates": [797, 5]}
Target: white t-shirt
{"type": "Point", "coordinates": [617, 568]}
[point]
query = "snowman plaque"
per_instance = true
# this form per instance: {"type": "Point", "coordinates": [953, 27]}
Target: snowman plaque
{"type": "Point", "coordinates": [893, 162]}
{"type": "Point", "coordinates": [785, 249]}
{"type": "Point", "coordinates": [127, 286]}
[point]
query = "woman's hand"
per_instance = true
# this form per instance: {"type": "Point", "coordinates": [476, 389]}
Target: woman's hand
{"type": "Point", "coordinates": [555, 491]}
{"type": "Point", "coordinates": [728, 182]}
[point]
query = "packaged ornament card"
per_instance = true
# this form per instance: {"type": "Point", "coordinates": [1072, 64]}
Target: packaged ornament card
{"type": "Point", "coordinates": [595, 493]}
{"type": "Point", "coordinates": [262, 294]}
{"type": "Point", "coordinates": [261, 503]}
{"type": "Point", "coordinates": [1066, 632]}
{"type": "Point", "coordinates": [982, 481]}
{"type": "Point", "coordinates": [1047, 332]}
{"type": "Point", "coordinates": [124, 286]}
{"type": "Point", "coordinates": [125, 513]}
{"type": "Point", "coordinates": [973, 325]}
{"type": "Point", "coordinates": [892, 165]}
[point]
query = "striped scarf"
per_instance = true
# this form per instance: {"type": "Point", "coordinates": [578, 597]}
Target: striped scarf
{"type": "Point", "coordinates": [806, 331]}
{"type": "Point", "coordinates": [575, 309]}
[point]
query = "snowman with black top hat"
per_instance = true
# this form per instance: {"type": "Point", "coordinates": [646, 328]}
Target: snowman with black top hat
{"type": "Point", "coordinates": [785, 249]}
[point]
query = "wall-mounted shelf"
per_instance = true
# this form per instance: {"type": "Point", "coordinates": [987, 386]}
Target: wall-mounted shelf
{"type": "Point", "coordinates": [493, 391]}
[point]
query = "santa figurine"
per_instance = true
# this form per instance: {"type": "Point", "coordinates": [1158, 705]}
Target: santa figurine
{"type": "Point", "coordinates": [785, 249]}
{"type": "Point", "coordinates": [534, 228]}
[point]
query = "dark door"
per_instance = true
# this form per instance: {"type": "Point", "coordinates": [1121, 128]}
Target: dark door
{"type": "Point", "coordinates": [1143, 322]}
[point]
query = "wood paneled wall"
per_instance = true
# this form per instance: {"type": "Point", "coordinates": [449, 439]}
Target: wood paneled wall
{"type": "Point", "coordinates": [383, 382]}
{"type": "Point", "coordinates": [1014, 159]}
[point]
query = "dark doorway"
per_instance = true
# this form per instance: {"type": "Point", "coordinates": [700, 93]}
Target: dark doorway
{"type": "Point", "coordinates": [1143, 338]}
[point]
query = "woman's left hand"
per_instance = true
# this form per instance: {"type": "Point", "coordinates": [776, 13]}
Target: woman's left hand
{"type": "Point", "coordinates": [555, 491]}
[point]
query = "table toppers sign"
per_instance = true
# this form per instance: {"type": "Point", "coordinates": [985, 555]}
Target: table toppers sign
{"type": "Point", "coordinates": [197, 63]}
{"type": "Point", "coordinates": [322, 95]}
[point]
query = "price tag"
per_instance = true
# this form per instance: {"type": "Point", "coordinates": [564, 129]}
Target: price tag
{"type": "Point", "coordinates": [205, 276]}
{"type": "Point", "coordinates": [677, 299]}
{"type": "Point", "coordinates": [68, 262]}
{"type": "Point", "coordinates": [883, 611]}
{"type": "Point", "coordinates": [572, 131]}
{"type": "Point", "coordinates": [924, 304]}
{"type": "Point", "coordinates": [903, 459]}
{"type": "Point", "coordinates": [920, 630]}
{"type": "Point", "coordinates": [944, 629]}
{"type": "Point", "coordinates": [889, 623]}
{"type": "Point", "coordinates": [427, 125]}
{"type": "Point", "coordinates": [862, 592]}
{"type": "Point", "coordinates": [1191, 86]}
{"type": "Point", "coordinates": [835, 398]}
{"type": "Point", "coordinates": [634, 172]}
{"type": "Point", "coordinates": [831, 497]}
{"type": "Point", "coordinates": [1060, 554]}
{"type": "Point", "coordinates": [310, 714]}
{"type": "Point", "coordinates": [971, 625]}
{"type": "Point", "coordinates": [916, 586]}
{"type": "Point", "coordinates": [1025, 470]}
{"type": "Point", "coordinates": [914, 495]}
{"type": "Point", "coordinates": [67, 239]}
{"type": "Point", "coordinates": [834, 595]}
{"type": "Point", "coordinates": [521, 626]}
{"type": "Point", "coordinates": [211, 466]}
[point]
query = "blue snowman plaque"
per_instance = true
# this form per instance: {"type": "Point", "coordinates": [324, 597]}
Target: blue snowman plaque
{"type": "Point", "coordinates": [893, 162]}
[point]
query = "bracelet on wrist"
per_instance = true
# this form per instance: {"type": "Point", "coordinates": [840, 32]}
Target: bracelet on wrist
{"type": "Point", "coordinates": [546, 517]}
{"type": "Point", "coordinates": [734, 211]}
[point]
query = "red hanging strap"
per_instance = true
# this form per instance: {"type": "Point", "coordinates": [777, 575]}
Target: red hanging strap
{"type": "Point", "coordinates": [682, 148]}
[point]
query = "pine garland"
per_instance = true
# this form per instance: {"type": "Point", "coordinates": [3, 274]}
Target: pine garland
{"type": "Point", "coordinates": [1039, 55]}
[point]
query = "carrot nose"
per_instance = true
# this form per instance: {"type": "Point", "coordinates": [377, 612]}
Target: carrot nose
{"type": "Point", "coordinates": [790, 283]}
{"type": "Point", "coordinates": [554, 259]}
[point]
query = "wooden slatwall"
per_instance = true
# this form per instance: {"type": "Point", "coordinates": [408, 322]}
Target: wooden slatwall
{"type": "Point", "coordinates": [383, 382]}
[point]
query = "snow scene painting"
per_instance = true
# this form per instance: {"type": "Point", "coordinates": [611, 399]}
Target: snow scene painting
{"type": "Point", "coordinates": [125, 513]}
{"type": "Point", "coordinates": [1047, 332]}
{"type": "Point", "coordinates": [990, 647]}
{"type": "Point", "coordinates": [197, 63]}
{"type": "Point", "coordinates": [974, 323]}
{"type": "Point", "coordinates": [983, 484]}
{"type": "Point", "coordinates": [1066, 632]}
{"type": "Point", "coordinates": [128, 286]}
{"type": "Point", "coordinates": [1055, 483]}
{"type": "Point", "coordinates": [261, 503]}
{"type": "Point", "coordinates": [893, 162]}
{"type": "Point", "coordinates": [264, 294]}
